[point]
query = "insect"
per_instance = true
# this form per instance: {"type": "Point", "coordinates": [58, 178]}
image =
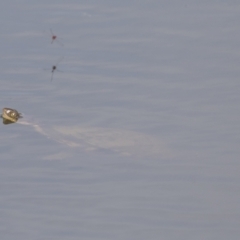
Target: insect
{"type": "Point", "coordinates": [10, 115]}
{"type": "Point", "coordinates": [54, 67]}
{"type": "Point", "coordinates": [55, 38]}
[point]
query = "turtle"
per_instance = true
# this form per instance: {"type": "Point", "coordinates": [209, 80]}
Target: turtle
{"type": "Point", "coordinates": [120, 141]}
{"type": "Point", "coordinates": [10, 115]}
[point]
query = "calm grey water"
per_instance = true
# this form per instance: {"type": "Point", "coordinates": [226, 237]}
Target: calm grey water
{"type": "Point", "coordinates": [137, 136]}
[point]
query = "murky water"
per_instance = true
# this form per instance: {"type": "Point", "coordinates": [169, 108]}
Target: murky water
{"type": "Point", "coordinates": [137, 134]}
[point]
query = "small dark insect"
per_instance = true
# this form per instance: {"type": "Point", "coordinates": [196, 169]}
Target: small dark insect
{"type": "Point", "coordinates": [10, 115]}
{"type": "Point", "coordinates": [54, 67]}
{"type": "Point", "coordinates": [55, 38]}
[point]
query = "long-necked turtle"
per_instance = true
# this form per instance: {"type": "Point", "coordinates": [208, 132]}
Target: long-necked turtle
{"type": "Point", "coordinates": [93, 139]}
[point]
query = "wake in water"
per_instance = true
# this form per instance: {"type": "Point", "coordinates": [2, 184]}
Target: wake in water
{"type": "Point", "coordinates": [123, 142]}
{"type": "Point", "coordinates": [94, 139]}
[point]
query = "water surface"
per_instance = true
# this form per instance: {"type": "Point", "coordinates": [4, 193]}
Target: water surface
{"type": "Point", "coordinates": [137, 136]}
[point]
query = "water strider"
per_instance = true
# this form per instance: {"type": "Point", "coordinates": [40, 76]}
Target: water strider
{"type": "Point", "coordinates": [55, 38]}
{"type": "Point", "coordinates": [54, 67]}
{"type": "Point", "coordinates": [87, 138]}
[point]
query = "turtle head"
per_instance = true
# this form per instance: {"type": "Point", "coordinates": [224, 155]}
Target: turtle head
{"type": "Point", "coordinates": [10, 115]}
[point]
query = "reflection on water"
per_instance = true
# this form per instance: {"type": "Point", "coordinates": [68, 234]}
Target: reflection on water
{"type": "Point", "coordinates": [6, 121]}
